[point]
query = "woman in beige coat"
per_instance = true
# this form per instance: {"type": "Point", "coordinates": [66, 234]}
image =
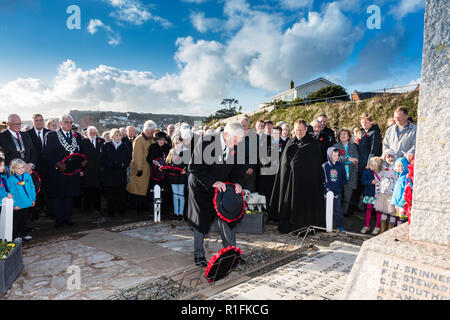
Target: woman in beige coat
{"type": "Point", "coordinates": [140, 168]}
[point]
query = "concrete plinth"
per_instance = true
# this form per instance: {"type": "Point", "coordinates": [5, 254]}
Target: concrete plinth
{"type": "Point", "coordinates": [394, 267]}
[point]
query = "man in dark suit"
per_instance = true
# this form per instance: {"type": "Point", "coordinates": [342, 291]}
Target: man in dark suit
{"type": "Point", "coordinates": [90, 181]}
{"type": "Point", "coordinates": [326, 137]}
{"type": "Point", "coordinates": [62, 188]}
{"type": "Point", "coordinates": [17, 144]}
{"type": "Point", "coordinates": [37, 134]}
{"type": "Point", "coordinates": [213, 164]}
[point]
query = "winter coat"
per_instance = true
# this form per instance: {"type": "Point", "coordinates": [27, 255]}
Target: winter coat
{"type": "Point", "coordinates": [369, 146]}
{"type": "Point", "coordinates": [25, 195]}
{"type": "Point", "coordinates": [114, 164]}
{"type": "Point", "coordinates": [182, 178]}
{"type": "Point", "coordinates": [4, 189]}
{"type": "Point", "coordinates": [335, 175]}
{"type": "Point", "coordinates": [366, 179]}
{"type": "Point", "coordinates": [387, 178]}
{"type": "Point", "coordinates": [343, 158]}
{"type": "Point", "coordinates": [398, 198]}
{"type": "Point", "coordinates": [139, 185]}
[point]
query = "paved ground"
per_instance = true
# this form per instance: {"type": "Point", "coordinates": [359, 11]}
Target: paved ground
{"type": "Point", "coordinates": [117, 254]}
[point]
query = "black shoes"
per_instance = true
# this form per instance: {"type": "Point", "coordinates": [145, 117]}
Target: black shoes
{"type": "Point", "coordinates": [180, 217]}
{"type": "Point", "coordinates": [242, 262]}
{"type": "Point", "coordinates": [201, 262]}
{"type": "Point", "coordinates": [59, 224]}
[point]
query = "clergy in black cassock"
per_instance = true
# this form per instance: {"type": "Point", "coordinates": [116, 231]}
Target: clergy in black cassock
{"type": "Point", "coordinates": [213, 164]}
{"type": "Point", "coordinates": [298, 195]}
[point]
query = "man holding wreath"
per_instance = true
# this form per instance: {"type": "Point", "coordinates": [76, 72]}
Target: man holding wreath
{"type": "Point", "coordinates": [65, 161]}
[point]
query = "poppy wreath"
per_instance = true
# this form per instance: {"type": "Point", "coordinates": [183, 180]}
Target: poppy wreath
{"type": "Point", "coordinates": [155, 173]}
{"type": "Point", "coordinates": [221, 264]}
{"type": "Point", "coordinates": [220, 214]}
{"type": "Point", "coordinates": [64, 161]}
{"type": "Point", "coordinates": [409, 190]}
{"type": "Point", "coordinates": [173, 171]}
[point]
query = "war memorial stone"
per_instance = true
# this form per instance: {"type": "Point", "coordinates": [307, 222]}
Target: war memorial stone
{"type": "Point", "coordinates": [412, 261]}
{"type": "Point", "coordinates": [318, 276]}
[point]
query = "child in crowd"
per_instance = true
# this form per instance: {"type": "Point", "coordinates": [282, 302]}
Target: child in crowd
{"type": "Point", "coordinates": [348, 156]}
{"type": "Point", "coordinates": [335, 180]}
{"type": "Point", "coordinates": [371, 180]}
{"type": "Point", "coordinates": [178, 182]}
{"type": "Point", "coordinates": [398, 199]}
{"type": "Point", "coordinates": [387, 183]}
{"type": "Point", "coordinates": [4, 190]}
{"type": "Point", "coordinates": [22, 189]}
{"type": "Point", "coordinates": [357, 134]}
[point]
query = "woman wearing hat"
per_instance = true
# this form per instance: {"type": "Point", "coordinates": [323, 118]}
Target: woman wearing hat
{"type": "Point", "coordinates": [157, 154]}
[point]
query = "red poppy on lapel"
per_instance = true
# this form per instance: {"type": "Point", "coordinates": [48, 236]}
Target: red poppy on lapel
{"type": "Point", "coordinates": [321, 139]}
{"type": "Point", "coordinates": [342, 151]}
{"type": "Point", "coordinates": [367, 135]}
{"type": "Point", "coordinates": [75, 135]}
{"type": "Point", "coordinates": [233, 152]}
{"type": "Point", "coordinates": [99, 140]}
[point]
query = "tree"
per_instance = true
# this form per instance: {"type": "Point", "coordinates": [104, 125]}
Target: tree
{"type": "Point", "coordinates": [328, 92]}
{"type": "Point", "coordinates": [228, 110]}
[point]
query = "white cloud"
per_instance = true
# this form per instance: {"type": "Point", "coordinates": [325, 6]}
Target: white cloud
{"type": "Point", "coordinates": [95, 24]}
{"type": "Point", "coordinates": [203, 24]}
{"type": "Point", "coordinates": [101, 88]}
{"type": "Point", "coordinates": [406, 7]}
{"type": "Point", "coordinates": [203, 75]}
{"type": "Point", "coordinates": [133, 11]}
{"type": "Point", "coordinates": [195, 1]}
{"type": "Point", "coordinates": [295, 4]}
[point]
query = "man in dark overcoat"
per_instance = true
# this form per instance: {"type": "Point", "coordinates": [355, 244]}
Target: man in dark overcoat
{"type": "Point", "coordinates": [37, 135]}
{"type": "Point", "coordinates": [62, 188]}
{"type": "Point", "coordinates": [91, 181]}
{"type": "Point", "coordinates": [213, 164]}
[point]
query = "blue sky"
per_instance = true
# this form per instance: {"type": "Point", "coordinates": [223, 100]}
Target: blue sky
{"type": "Point", "coordinates": [185, 56]}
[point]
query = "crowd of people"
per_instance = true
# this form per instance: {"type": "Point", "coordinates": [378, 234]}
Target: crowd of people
{"type": "Point", "coordinates": [293, 168]}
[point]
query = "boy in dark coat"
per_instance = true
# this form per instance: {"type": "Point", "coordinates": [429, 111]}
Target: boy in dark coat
{"type": "Point", "coordinates": [335, 180]}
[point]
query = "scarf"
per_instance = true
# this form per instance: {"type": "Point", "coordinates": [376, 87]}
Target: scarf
{"type": "Point", "coordinates": [116, 145]}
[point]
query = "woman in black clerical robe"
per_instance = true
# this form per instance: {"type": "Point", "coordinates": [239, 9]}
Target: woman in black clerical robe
{"type": "Point", "coordinates": [298, 194]}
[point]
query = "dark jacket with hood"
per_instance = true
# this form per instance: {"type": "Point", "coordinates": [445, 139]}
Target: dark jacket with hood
{"type": "Point", "coordinates": [335, 175]}
{"type": "Point", "coordinates": [369, 146]}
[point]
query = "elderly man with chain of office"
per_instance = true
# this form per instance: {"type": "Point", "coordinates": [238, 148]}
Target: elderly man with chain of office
{"type": "Point", "coordinates": [62, 188]}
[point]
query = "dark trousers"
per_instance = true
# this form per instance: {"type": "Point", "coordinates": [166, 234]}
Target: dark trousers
{"type": "Point", "coordinates": [354, 204]}
{"type": "Point", "coordinates": [91, 198]}
{"type": "Point", "coordinates": [265, 187]}
{"type": "Point", "coordinates": [20, 218]}
{"type": "Point", "coordinates": [249, 182]}
{"type": "Point", "coordinates": [141, 203]}
{"type": "Point", "coordinates": [116, 198]}
{"type": "Point", "coordinates": [337, 211]}
{"type": "Point", "coordinates": [63, 209]}
{"type": "Point", "coordinates": [346, 198]}
{"type": "Point", "coordinates": [227, 235]}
